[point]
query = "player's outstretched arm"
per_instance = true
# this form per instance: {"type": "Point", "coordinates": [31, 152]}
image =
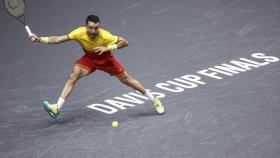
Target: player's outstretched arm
{"type": "Point", "coordinates": [49, 40]}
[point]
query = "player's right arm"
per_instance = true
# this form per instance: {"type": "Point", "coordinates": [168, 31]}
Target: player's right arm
{"type": "Point", "coordinates": [73, 35]}
{"type": "Point", "coordinates": [49, 40]}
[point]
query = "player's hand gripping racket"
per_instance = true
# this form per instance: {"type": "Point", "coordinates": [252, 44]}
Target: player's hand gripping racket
{"type": "Point", "coordinates": [17, 8]}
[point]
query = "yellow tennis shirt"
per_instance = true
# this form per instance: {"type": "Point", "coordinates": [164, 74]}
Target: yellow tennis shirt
{"type": "Point", "coordinates": [103, 38]}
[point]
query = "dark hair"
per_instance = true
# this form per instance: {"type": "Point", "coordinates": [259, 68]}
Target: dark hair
{"type": "Point", "coordinates": [92, 18]}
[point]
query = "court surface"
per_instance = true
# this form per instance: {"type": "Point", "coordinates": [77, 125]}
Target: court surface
{"type": "Point", "coordinates": [237, 116]}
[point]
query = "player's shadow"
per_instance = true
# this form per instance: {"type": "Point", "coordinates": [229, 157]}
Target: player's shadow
{"type": "Point", "coordinates": [147, 113]}
{"type": "Point", "coordinates": [81, 118]}
{"type": "Point", "coordinates": [71, 118]}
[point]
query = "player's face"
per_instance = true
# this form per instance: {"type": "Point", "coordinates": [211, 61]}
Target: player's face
{"type": "Point", "coordinates": [92, 29]}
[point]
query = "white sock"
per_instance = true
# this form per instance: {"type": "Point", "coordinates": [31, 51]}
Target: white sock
{"type": "Point", "coordinates": [150, 96]}
{"type": "Point", "coordinates": [60, 102]}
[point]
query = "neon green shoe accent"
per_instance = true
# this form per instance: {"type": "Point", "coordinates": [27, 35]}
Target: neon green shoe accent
{"type": "Point", "coordinates": [51, 109]}
{"type": "Point", "coordinates": [158, 105]}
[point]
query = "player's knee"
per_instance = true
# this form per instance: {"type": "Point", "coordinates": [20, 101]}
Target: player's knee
{"type": "Point", "coordinates": [128, 81]}
{"type": "Point", "coordinates": [125, 80]}
{"type": "Point", "coordinates": [73, 78]}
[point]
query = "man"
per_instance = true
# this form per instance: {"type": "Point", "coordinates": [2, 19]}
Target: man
{"type": "Point", "coordinates": [98, 45]}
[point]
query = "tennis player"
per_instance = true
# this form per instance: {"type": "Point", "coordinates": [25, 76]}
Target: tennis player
{"type": "Point", "coordinates": [98, 45]}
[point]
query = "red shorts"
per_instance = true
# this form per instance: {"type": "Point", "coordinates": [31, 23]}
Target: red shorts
{"type": "Point", "coordinates": [105, 62]}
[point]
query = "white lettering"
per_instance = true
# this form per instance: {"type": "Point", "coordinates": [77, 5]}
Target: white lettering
{"type": "Point", "coordinates": [164, 87]}
{"type": "Point", "coordinates": [103, 108]}
{"type": "Point", "coordinates": [212, 74]}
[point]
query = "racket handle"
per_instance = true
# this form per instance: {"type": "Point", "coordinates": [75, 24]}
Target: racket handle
{"type": "Point", "coordinates": [28, 30]}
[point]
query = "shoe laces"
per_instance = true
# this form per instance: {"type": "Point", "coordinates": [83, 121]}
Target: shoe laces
{"type": "Point", "coordinates": [156, 103]}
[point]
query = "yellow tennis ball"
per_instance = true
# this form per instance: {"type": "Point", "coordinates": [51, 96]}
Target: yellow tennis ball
{"type": "Point", "coordinates": [115, 124]}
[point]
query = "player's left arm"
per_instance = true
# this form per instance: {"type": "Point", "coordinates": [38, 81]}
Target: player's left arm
{"type": "Point", "coordinates": [121, 43]}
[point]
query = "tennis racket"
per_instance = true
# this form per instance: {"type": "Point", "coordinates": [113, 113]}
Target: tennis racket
{"type": "Point", "coordinates": [17, 8]}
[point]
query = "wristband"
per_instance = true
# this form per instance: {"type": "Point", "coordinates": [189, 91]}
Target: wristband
{"type": "Point", "coordinates": [112, 47]}
{"type": "Point", "coordinates": [44, 40]}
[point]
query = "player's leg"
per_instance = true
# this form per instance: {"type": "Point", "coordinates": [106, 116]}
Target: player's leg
{"type": "Point", "coordinates": [77, 73]}
{"type": "Point", "coordinates": [136, 85]}
{"type": "Point", "coordinates": [115, 69]}
{"type": "Point", "coordinates": [81, 68]}
{"type": "Point", "coordinates": [129, 81]}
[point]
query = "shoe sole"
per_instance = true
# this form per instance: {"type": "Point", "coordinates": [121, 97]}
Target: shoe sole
{"type": "Point", "coordinates": [158, 110]}
{"type": "Point", "coordinates": [161, 113]}
{"type": "Point", "coordinates": [48, 110]}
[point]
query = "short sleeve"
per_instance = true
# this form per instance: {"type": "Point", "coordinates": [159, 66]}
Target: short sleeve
{"type": "Point", "coordinates": [73, 35]}
{"type": "Point", "coordinates": [109, 38]}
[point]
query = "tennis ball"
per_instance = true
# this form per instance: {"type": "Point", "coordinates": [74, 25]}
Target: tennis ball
{"type": "Point", "coordinates": [115, 124]}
